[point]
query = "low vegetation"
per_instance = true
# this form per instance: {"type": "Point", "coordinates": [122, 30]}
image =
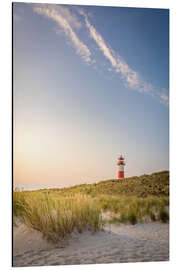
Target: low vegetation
{"type": "Point", "coordinates": [59, 212]}
{"type": "Point", "coordinates": [133, 209]}
{"type": "Point", "coordinates": [156, 184]}
{"type": "Point", "coordinates": [56, 217]}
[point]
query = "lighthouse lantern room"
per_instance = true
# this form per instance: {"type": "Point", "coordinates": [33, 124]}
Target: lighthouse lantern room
{"type": "Point", "coordinates": [121, 165]}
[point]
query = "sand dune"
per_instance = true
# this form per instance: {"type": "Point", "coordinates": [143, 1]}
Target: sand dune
{"type": "Point", "coordinates": [116, 244]}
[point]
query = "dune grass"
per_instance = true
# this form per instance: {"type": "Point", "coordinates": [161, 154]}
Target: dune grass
{"type": "Point", "coordinates": [156, 184]}
{"type": "Point", "coordinates": [19, 204]}
{"type": "Point", "coordinates": [57, 217]}
{"type": "Point", "coordinates": [133, 209]}
{"type": "Point", "coordinates": [58, 212]}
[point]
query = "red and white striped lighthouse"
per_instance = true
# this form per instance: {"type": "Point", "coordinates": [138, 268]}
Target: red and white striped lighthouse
{"type": "Point", "coordinates": [121, 165]}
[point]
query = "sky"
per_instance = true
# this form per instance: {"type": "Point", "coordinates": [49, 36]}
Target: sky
{"type": "Point", "coordinates": [89, 83]}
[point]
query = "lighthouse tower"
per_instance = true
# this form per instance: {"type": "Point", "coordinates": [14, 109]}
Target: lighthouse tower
{"type": "Point", "coordinates": [121, 165]}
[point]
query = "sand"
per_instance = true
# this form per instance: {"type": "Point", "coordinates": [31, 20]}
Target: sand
{"type": "Point", "coordinates": [116, 244]}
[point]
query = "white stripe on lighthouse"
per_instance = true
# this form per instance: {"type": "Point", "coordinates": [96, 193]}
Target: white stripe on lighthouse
{"type": "Point", "coordinates": [121, 167]}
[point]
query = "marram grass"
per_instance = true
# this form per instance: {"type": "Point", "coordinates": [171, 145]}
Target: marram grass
{"type": "Point", "coordinates": [133, 209]}
{"type": "Point", "coordinates": [58, 217]}
{"type": "Point", "coordinates": [58, 212]}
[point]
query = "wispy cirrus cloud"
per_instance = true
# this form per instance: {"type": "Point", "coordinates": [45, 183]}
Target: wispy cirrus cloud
{"type": "Point", "coordinates": [131, 78]}
{"type": "Point", "coordinates": [64, 19]}
{"type": "Point", "coordinates": [69, 22]}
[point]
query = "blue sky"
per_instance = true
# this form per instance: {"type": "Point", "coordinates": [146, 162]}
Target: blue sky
{"type": "Point", "coordinates": [90, 83]}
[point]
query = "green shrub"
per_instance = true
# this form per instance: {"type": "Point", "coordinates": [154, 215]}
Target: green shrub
{"type": "Point", "coordinates": [132, 218]}
{"type": "Point", "coordinates": [164, 216]}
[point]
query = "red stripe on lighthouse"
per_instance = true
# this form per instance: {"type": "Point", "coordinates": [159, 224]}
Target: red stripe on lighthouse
{"type": "Point", "coordinates": [120, 174]}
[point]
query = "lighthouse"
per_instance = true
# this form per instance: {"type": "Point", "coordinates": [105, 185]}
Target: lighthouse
{"type": "Point", "coordinates": [121, 165]}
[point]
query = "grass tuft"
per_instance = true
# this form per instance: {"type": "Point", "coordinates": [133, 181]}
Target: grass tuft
{"type": "Point", "coordinates": [57, 217]}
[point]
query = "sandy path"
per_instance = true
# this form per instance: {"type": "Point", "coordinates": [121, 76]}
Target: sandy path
{"type": "Point", "coordinates": [124, 243]}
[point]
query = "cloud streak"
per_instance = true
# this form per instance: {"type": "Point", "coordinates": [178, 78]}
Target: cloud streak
{"type": "Point", "coordinates": [64, 20]}
{"type": "Point", "coordinates": [68, 23]}
{"type": "Point", "coordinates": [131, 78]}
